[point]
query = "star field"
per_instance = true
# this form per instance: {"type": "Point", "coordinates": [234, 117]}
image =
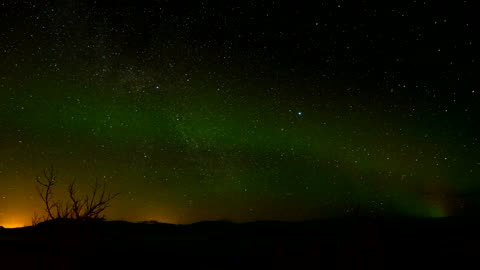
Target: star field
{"type": "Point", "coordinates": [252, 111]}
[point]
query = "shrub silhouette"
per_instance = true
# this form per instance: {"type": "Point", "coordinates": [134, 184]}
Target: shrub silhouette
{"type": "Point", "coordinates": [88, 207]}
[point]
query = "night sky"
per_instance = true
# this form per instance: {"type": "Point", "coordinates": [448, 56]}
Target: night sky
{"type": "Point", "coordinates": [258, 110]}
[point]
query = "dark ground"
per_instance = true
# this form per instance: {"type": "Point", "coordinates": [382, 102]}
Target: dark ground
{"type": "Point", "coordinates": [354, 243]}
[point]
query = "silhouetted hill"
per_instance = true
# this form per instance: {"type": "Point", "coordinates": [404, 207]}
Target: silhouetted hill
{"type": "Point", "coordinates": [349, 243]}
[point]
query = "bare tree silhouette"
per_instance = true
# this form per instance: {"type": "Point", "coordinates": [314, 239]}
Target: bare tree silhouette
{"type": "Point", "coordinates": [88, 207]}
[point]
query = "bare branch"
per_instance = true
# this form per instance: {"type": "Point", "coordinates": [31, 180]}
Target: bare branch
{"type": "Point", "coordinates": [36, 219]}
{"type": "Point", "coordinates": [46, 190]}
{"type": "Point", "coordinates": [90, 206]}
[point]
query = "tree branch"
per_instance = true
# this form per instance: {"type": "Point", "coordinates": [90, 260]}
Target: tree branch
{"type": "Point", "coordinates": [90, 206]}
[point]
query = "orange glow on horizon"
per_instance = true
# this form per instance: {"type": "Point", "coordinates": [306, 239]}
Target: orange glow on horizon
{"type": "Point", "coordinates": [12, 225]}
{"type": "Point", "coordinates": [18, 219]}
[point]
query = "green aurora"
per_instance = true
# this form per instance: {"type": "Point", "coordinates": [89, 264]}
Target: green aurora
{"type": "Point", "coordinates": [194, 152]}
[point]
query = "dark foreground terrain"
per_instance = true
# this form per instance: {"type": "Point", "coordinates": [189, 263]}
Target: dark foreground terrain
{"type": "Point", "coordinates": [354, 243]}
